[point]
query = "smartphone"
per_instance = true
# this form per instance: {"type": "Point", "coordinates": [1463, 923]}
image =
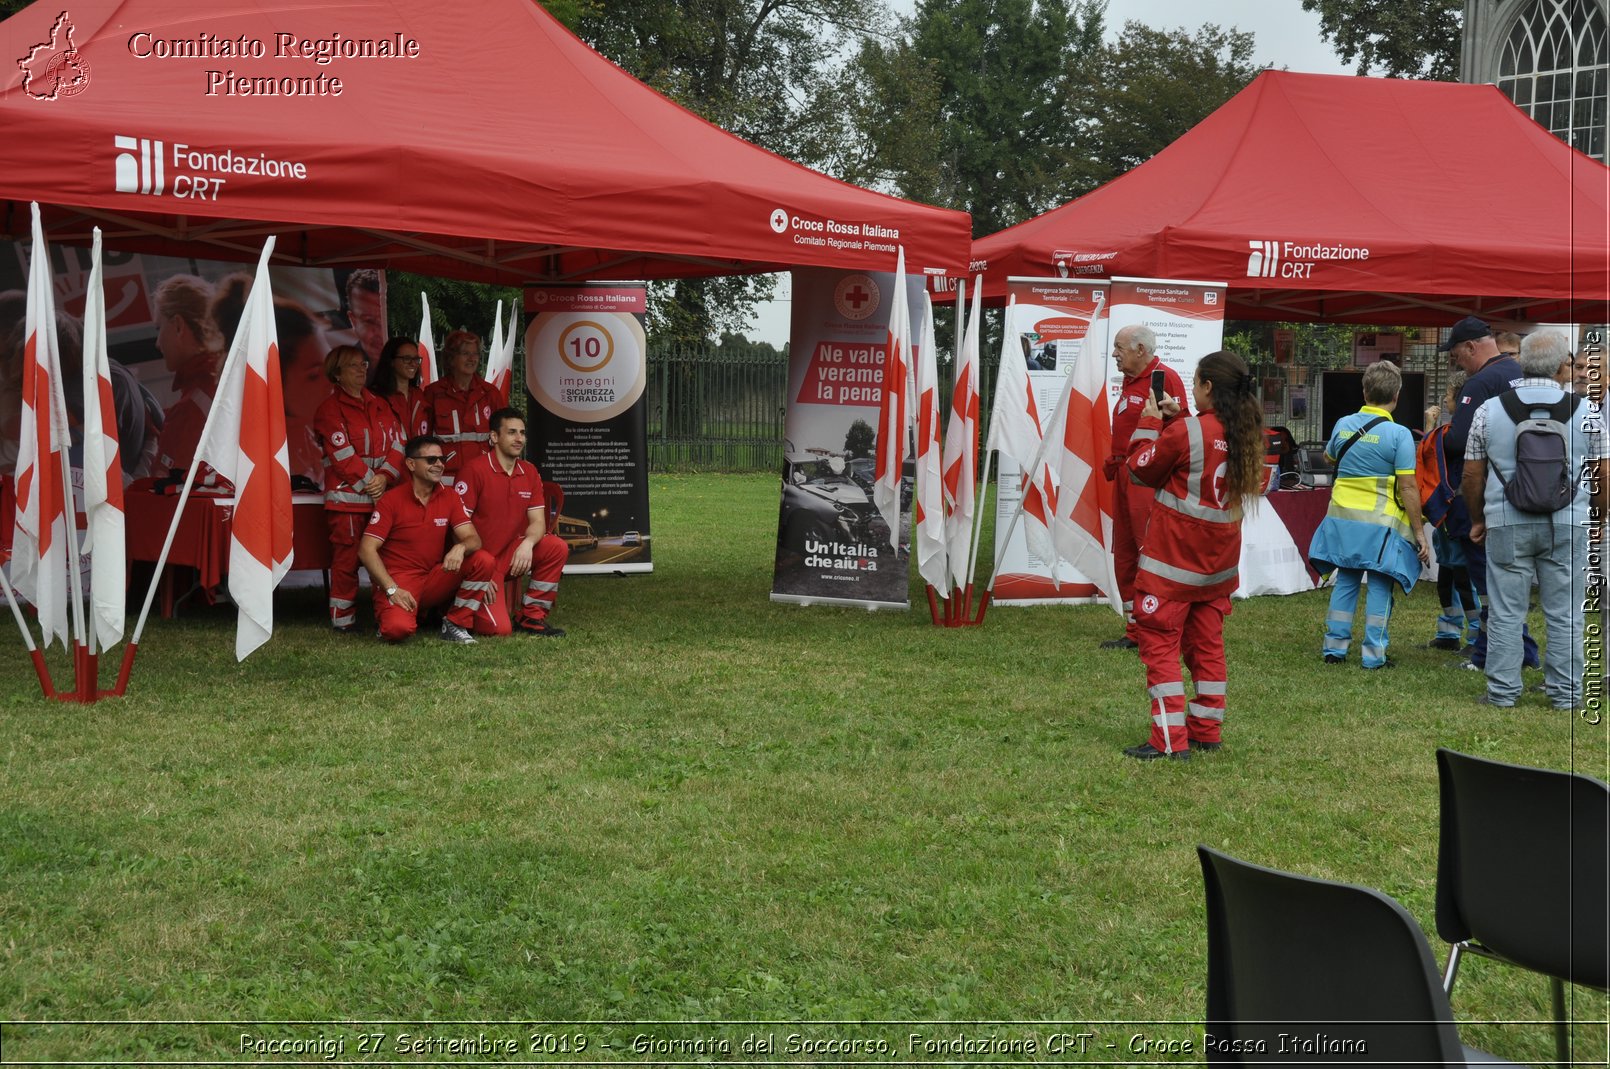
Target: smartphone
{"type": "Point", "coordinates": [1159, 384]}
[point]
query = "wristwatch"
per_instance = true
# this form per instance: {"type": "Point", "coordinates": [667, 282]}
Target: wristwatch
{"type": "Point", "coordinates": [391, 592]}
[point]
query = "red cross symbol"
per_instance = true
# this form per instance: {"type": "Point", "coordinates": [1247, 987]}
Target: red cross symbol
{"type": "Point", "coordinates": [857, 297]}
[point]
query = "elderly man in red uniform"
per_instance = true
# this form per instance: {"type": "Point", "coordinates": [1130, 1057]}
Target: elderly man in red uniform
{"type": "Point", "coordinates": [363, 456]}
{"type": "Point", "coordinates": [1134, 349]}
{"type": "Point", "coordinates": [503, 494]}
{"type": "Point", "coordinates": [403, 551]}
{"type": "Point", "coordinates": [460, 403]}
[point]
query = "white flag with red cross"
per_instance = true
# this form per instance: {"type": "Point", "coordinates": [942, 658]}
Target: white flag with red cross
{"type": "Point", "coordinates": [427, 344]}
{"type": "Point", "coordinates": [103, 469]}
{"type": "Point", "coordinates": [44, 527]}
{"type": "Point", "coordinates": [1016, 432]}
{"type": "Point", "coordinates": [961, 443]}
{"type": "Point", "coordinates": [894, 407]}
{"type": "Point", "coordinates": [500, 357]}
{"type": "Point", "coordinates": [245, 442]}
{"type": "Point", "coordinates": [929, 500]}
{"type": "Point", "coordinates": [1077, 441]}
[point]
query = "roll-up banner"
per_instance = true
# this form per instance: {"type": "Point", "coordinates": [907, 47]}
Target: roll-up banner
{"type": "Point", "coordinates": [1049, 319]}
{"type": "Point", "coordinates": [832, 546]}
{"type": "Point", "coordinates": [586, 359]}
{"type": "Point", "coordinates": [1187, 317]}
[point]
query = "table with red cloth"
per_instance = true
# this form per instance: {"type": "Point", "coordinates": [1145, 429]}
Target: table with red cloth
{"type": "Point", "coordinates": [202, 539]}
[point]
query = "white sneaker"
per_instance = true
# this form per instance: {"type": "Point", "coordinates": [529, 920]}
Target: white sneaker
{"type": "Point", "coordinates": [451, 632]}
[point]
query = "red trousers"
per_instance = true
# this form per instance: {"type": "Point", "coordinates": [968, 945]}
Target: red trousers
{"type": "Point", "coordinates": [466, 588]}
{"type": "Point", "coordinates": [345, 530]}
{"type": "Point", "coordinates": [548, 558]}
{"type": "Point", "coordinates": [1131, 511]}
{"type": "Point", "coordinates": [1194, 630]}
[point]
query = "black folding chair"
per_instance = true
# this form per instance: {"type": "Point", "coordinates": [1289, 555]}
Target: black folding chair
{"type": "Point", "coordinates": [1307, 971]}
{"type": "Point", "coordinates": [1521, 873]}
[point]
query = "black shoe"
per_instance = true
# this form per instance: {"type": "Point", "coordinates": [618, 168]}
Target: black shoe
{"type": "Point", "coordinates": [350, 629]}
{"type": "Point", "coordinates": [1125, 643]}
{"type": "Point", "coordinates": [1486, 699]}
{"type": "Point", "coordinates": [539, 627]}
{"type": "Point", "coordinates": [1450, 644]}
{"type": "Point", "coordinates": [1334, 658]}
{"type": "Point", "coordinates": [1206, 747]}
{"type": "Point", "coordinates": [1147, 752]}
{"type": "Point", "coordinates": [1388, 663]}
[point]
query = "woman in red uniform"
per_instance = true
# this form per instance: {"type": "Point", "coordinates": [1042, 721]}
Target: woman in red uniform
{"type": "Point", "coordinates": [396, 381]}
{"type": "Point", "coordinates": [1202, 468]}
{"type": "Point", "coordinates": [362, 446]}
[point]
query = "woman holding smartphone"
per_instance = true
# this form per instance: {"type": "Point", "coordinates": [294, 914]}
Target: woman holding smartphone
{"type": "Point", "coordinates": [1202, 469]}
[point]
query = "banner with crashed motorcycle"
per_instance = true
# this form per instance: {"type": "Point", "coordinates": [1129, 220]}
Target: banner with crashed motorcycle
{"type": "Point", "coordinates": [832, 546]}
{"type": "Point", "coordinates": [1049, 319]}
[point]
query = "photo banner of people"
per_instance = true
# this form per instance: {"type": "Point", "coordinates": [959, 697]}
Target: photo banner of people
{"type": "Point", "coordinates": [169, 325]}
{"type": "Point", "coordinates": [1050, 318]}
{"type": "Point", "coordinates": [832, 545]}
{"type": "Point", "coordinates": [1187, 317]}
{"type": "Point", "coordinates": [586, 368]}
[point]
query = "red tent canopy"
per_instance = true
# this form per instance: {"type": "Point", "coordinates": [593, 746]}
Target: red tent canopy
{"type": "Point", "coordinates": [1327, 197]}
{"type": "Point", "coordinates": [478, 139]}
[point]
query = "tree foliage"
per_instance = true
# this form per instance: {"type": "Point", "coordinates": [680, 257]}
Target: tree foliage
{"type": "Point", "coordinates": [756, 68]}
{"type": "Point", "coordinates": [1153, 85]}
{"type": "Point", "coordinates": [1395, 38]}
{"type": "Point", "coordinates": [860, 439]}
{"type": "Point", "coordinates": [1007, 108]}
{"type": "Point", "coordinates": [974, 105]}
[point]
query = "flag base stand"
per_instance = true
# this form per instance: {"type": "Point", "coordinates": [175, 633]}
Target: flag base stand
{"type": "Point", "coordinates": [958, 611]}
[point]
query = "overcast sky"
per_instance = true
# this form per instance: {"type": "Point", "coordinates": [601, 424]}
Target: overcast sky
{"type": "Point", "coordinates": [1284, 36]}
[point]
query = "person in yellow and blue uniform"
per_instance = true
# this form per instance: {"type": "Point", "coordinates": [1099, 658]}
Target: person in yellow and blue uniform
{"type": "Point", "coordinates": [1373, 532]}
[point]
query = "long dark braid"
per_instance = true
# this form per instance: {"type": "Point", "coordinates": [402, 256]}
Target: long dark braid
{"type": "Point", "coordinates": [1235, 402]}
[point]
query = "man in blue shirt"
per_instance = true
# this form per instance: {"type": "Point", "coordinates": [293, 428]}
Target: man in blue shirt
{"type": "Point", "coordinates": [1373, 526]}
{"type": "Point", "coordinates": [1550, 547]}
{"type": "Point", "coordinates": [1472, 347]}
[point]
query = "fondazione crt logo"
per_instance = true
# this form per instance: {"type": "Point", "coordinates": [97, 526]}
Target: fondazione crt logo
{"type": "Point", "coordinates": [1270, 258]}
{"type": "Point", "coordinates": [53, 68]}
{"type": "Point", "coordinates": [156, 168]}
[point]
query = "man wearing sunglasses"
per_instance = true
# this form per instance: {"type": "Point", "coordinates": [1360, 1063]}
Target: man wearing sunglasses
{"type": "Point", "coordinates": [421, 551]}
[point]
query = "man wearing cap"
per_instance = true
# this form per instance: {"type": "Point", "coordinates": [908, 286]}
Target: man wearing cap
{"type": "Point", "coordinates": [1473, 348]}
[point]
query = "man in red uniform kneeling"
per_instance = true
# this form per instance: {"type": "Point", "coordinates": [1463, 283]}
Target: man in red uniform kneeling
{"type": "Point", "coordinates": [503, 494]}
{"type": "Point", "coordinates": [403, 547]}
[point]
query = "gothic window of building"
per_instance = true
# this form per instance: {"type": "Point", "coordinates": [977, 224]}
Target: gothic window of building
{"type": "Point", "coordinates": [1554, 66]}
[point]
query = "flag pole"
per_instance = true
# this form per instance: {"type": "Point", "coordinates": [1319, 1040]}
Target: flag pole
{"type": "Point", "coordinates": [235, 353]}
{"type": "Point", "coordinates": [40, 668]}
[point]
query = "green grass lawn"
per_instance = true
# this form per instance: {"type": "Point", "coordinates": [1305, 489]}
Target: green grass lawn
{"type": "Point", "coordinates": [703, 806]}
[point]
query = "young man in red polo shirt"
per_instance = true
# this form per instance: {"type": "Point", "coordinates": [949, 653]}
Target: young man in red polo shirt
{"type": "Point", "coordinates": [503, 493]}
{"type": "Point", "coordinates": [403, 547]}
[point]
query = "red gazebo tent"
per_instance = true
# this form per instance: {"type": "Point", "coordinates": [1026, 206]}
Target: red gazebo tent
{"type": "Point", "coordinates": [478, 140]}
{"type": "Point", "coordinates": [1328, 197]}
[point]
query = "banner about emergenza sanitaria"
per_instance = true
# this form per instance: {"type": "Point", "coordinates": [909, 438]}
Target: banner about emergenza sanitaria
{"type": "Point", "coordinates": [586, 361]}
{"type": "Point", "coordinates": [1187, 317]}
{"type": "Point", "coordinates": [832, 545]}
{"type": "Point", "coordinates": [1049, 319]}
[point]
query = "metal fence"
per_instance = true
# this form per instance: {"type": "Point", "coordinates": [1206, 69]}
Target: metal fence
{"type": "Point", "coordinates": [716, 407]}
